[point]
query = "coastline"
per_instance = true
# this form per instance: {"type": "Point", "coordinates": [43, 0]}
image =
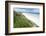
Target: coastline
{"type": "Point", "coordinates": [32, 18]}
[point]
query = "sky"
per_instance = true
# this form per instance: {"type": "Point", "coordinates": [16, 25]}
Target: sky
{"type": "Point", "coordinates": [27, 10]}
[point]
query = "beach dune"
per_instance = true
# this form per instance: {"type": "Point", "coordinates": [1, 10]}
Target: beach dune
{"type": "Point", "coordinates": [32, 18]}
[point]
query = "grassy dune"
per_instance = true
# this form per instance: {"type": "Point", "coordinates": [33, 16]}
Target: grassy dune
{"type": "Point", "coordinates": [20, 21]}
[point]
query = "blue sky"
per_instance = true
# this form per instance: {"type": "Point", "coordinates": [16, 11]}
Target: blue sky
{"type": "Point", "coordinates": [27, 10]}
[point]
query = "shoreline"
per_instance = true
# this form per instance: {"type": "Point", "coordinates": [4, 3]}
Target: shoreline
{"type": "Point", "coordinates": [32, 18]}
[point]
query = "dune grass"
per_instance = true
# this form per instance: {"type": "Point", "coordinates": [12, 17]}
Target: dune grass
{"type": "Point", "coordinates": [20, 21]}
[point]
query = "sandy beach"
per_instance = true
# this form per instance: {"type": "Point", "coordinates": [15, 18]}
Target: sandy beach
{"type": "Point", "coordinates": [32, 18]}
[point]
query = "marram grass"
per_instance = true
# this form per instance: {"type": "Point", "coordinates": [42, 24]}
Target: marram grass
{"type": "Point", "coordinates": [20, 21]}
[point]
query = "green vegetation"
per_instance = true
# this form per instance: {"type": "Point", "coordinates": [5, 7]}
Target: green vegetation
{"type": "Point", "coordinates": [20, 21]}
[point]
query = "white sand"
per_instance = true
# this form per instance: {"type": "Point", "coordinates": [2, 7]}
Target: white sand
{"type": "Point", "coordinates": [32, 18]}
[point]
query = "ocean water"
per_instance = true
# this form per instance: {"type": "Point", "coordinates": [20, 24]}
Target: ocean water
{"type": "Point", "coordinates": [33, 17]}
